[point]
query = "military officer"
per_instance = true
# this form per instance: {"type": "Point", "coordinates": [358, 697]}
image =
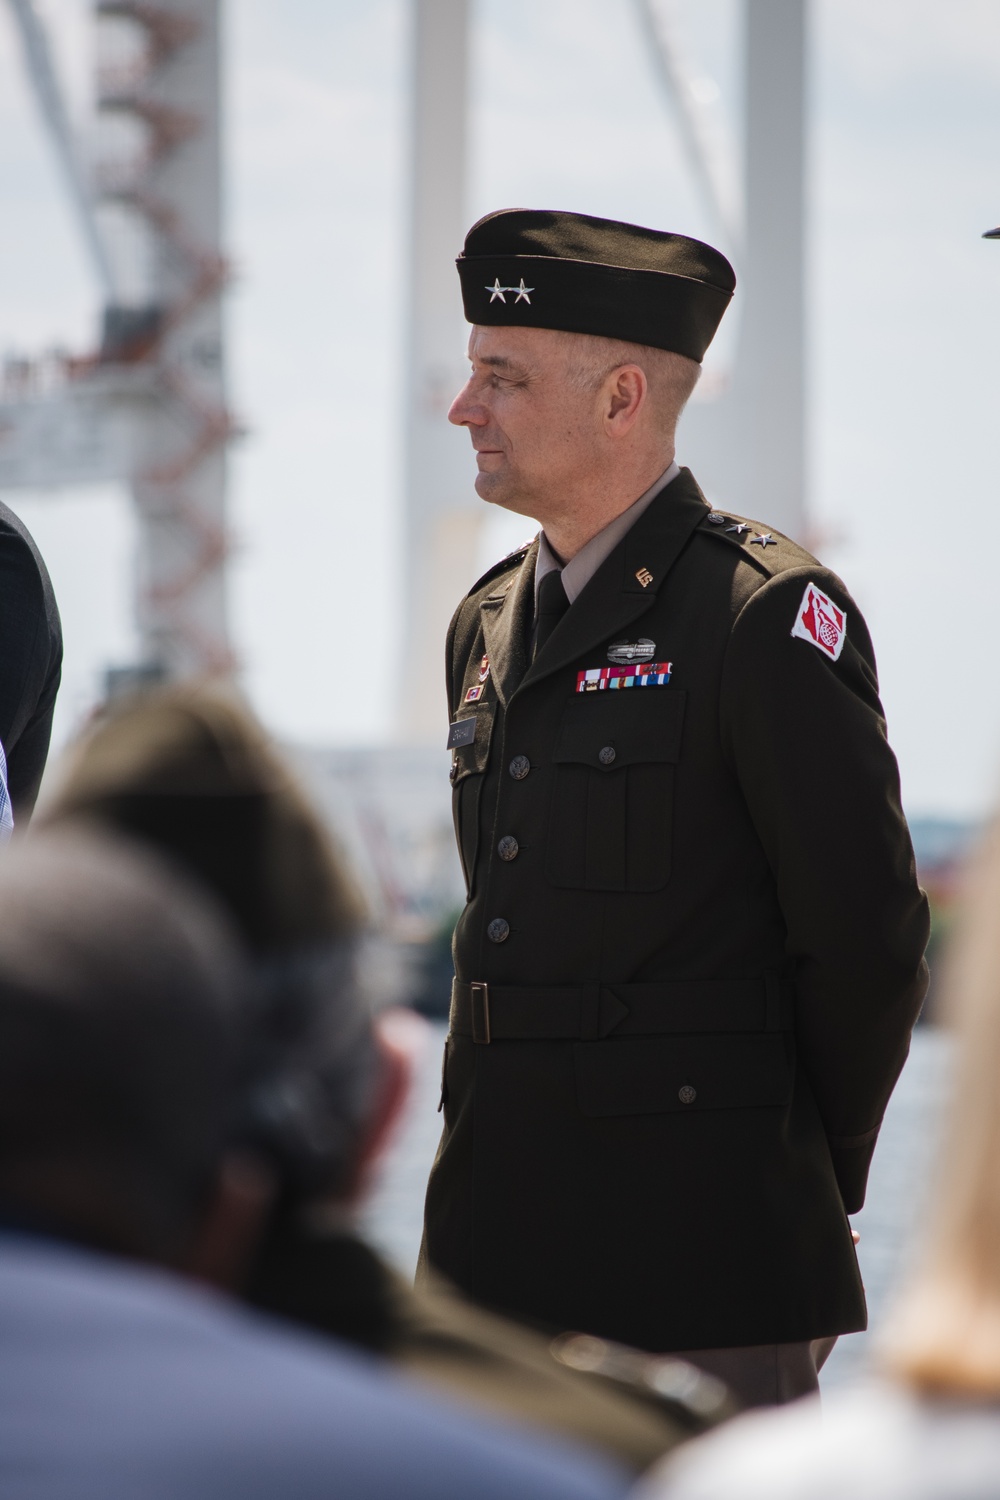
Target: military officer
{"type": "Point", "coordinates": [691, 953]}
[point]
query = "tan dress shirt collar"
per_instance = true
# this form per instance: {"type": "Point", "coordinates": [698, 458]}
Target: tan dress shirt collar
{"type": "Point", "coordinates": [580, 569]}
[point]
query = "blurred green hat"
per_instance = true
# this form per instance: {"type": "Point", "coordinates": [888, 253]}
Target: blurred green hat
{"type": "Point", "coordinates": [190, 769]}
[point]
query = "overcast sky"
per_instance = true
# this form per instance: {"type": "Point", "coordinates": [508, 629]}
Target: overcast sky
{"type": "Point", "coordinates": [904, 301]}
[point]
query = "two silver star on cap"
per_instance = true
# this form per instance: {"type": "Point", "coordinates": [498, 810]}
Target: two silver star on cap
{"type": "Point", "coordinates": [496, 290]}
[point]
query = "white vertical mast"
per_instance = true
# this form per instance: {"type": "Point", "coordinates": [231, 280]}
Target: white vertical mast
{"type": "Point", "coordinates": [748, 445]}
{"type": "Point", "coordinates": [443, 512]}
{"type": "Point", "coordinates": [770, 376]}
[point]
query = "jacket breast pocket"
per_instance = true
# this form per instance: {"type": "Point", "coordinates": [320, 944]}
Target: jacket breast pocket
{"type": "Point", "coordinates": [611, 817]}
{"type": "Point", "coordinates": [645, 1075]}
{"type": "Point", "coordinates": [468, 771]}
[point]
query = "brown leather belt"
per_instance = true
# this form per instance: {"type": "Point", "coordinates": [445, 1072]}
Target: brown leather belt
{"type": "Point", "coordinates": [588, 1012]}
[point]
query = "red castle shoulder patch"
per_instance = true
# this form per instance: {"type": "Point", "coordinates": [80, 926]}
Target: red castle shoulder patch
{"type": "Point", "coordinates": [821, 622]}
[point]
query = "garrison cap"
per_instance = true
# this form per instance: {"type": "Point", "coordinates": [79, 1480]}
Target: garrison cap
{"type": "Point", "coordinates": [539, 268]}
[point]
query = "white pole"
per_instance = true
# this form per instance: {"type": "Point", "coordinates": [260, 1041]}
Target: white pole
{"type": "Point", "coordinates": [748, 447]}
{"type": "Point", "coordinates": [443, 512]}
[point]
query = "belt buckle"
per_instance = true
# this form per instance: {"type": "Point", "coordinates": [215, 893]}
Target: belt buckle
{"type": "Point", "coordinates": [480, 997]}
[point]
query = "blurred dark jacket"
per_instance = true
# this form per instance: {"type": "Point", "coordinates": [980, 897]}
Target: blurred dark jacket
{"type": "Point", "coordinates": [30, 661]}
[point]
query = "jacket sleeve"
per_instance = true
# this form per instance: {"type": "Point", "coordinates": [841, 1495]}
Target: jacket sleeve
{"type": "Point", "coordinates": [806, 737]}
{"type": "Point", "coordinates": [30, 666]}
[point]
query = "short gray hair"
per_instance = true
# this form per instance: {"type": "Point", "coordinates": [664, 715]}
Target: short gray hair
{"type": "Point", "coordinates": [672, 377]}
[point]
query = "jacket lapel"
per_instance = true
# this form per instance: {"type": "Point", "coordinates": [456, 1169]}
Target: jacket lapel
{"type": "Point", "coordinates": [506, 619]}
{"type": "Point", "coordinates": [616, 595]}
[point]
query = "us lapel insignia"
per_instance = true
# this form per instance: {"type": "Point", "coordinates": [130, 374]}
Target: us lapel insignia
{"type": "Point", "coordinates": [484, 669]}
{"type": "Point", "coordinates": [820, 622]}
{"type": "Point", "coordinates": [601, 679]}
{"type": "Point", "coordinates": [474, 694]}
{"type": "Point", "coordinates": [645, 577]}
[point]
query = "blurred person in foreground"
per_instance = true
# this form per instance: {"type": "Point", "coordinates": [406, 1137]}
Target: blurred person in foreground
{"type": "Point", "coordinates": [121, 1006]}
{"type": "Point", "coordinates": [30, 669]}
{"type": "Point", "coordinates": [191, 771]}
{"type": "Point", "coordinates": [926, 1424]}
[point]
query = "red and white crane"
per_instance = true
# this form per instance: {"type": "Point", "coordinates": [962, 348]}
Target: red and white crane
{"type": "Point", "coordinates": [148, 405]}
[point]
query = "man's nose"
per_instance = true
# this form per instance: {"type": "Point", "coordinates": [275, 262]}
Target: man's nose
{"type": "Point", "coordinates": [465, 411]}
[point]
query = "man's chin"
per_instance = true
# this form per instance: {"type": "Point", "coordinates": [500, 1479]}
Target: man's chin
{"type": "Point", "coordinates": [492, 489]}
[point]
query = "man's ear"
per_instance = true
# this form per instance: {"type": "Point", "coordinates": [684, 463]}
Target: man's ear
{"type": "Point", "coordinates": [624, 396]}
{"type": "Point", "coordinates": [223, 1246]}
{"type": "Point", "coordinates": [400, 1038]}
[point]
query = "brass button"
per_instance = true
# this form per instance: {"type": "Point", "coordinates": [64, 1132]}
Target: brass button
{"type": "Point", "coordinates": [607, 755]}
{"type": "Point", "coordinates": [519, 767]}
{"type": "Point", "coordinates": [453, 773]}
{"type": "Point", "coordinates": [687, 1095]}
{"type": "Point", "coordinates": [508, 847]}
{"type": "Point", "coordinates": [498, 931]}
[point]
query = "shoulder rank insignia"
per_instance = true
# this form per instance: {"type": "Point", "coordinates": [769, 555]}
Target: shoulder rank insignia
{"type": "Point", "coordinates": [820, 622]}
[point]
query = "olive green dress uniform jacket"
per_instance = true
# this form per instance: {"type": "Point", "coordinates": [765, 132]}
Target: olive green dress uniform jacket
{"type": "Point", "coordinates": [710, 956]}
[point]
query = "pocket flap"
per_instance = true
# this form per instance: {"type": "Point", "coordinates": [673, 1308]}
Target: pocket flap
{"type": "Point", "coordinates": [639, 724]}
{"type": "Point", "coordinates": [658, 1075]}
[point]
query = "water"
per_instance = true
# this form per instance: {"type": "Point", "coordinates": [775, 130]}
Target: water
{"type": "Point", "coordinates": [890, 1224]}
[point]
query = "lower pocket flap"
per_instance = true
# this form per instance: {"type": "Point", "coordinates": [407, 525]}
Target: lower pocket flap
{"type": "Point", "coordinates": [655, 1075]}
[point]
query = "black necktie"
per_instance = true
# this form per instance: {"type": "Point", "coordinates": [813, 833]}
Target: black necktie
{"type": "Point", "coordinates": [552, 605]}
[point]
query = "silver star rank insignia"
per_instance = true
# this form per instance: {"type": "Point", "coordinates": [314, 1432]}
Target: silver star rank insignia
{"type": "Point", "coordinates": [739, 527]}
{"type": "Point", "coordinates": [765, 540]}
{"type": "Point", "coordinates": [523, 292]}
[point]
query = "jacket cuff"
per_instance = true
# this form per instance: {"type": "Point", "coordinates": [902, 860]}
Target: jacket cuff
{"type": "Point", "coordinates": [852, 1158]}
